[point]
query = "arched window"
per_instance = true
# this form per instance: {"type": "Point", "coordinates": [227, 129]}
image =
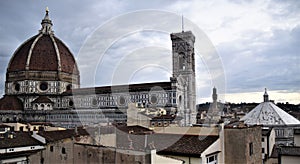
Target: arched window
{"type": "Point", "coordinates": [17, 87]}
{"type": "Point", "coordinates": [63, 150]}
{"type": "Point", "coordinates": [181, 62]}
{"type": "Point", "coordinates": [180, 100]}
{"type": "Point", "coordinates": [71, 103]}
{"type": "Point", "coordinates": [69, 87]}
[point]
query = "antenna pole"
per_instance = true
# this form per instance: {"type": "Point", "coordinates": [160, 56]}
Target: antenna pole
{"type": "Point", "coordinates": [182, 23]}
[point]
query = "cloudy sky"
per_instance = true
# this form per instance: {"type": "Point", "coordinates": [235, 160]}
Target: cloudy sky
{"type": "Point", "coordinates": [249, 45]}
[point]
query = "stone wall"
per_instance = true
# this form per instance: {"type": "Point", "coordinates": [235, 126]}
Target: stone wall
{"type": "Point", "coordinates": [243, 145]}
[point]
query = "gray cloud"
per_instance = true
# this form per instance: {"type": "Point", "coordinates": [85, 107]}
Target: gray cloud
{"type": "Point", "coordinates": [253, 57]}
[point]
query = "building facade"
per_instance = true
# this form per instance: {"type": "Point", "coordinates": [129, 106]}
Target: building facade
{"type": "Point", "coordinates": [43, 85]}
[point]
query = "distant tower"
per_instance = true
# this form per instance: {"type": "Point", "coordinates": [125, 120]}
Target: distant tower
{"type": "Point", "coordinates": [214, 111]}
{"type": "Point", "coordinates": [184, 73]}
{"type": "Point", "coordinates": [266, 96]}
{"type": "Point", "coordinates": [214, 95]}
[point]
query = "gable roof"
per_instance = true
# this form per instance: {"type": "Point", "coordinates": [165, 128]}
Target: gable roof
{"type": "Point", "coordinates": [52, 136]}
{"type": "Point", "coordinates": [187, 145]}
{"type": "Point", "coordinates": [285, 150]}
{"type": "Point", "coordinates": [11, 103]}
{"type": "Point", "coordinates": [267, 113]}
{"type": "Point", "coordinates": [290, 150]}
{"type": "Point", "coordinates": [167, 144]}
{"type": "Point", "coordinates": [136, 129]}
{"type": "Point", "coordinates": [20, 139]}
{"type": "Point", "coordinates": [17, 154]}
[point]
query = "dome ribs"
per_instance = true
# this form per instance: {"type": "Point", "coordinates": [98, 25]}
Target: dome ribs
{"type": "Point", "coordinates": [18, 61]}
{"type": "Point", "coordinates": [43, 57]}
{"type": "Point", "coordinates": [68, 63]}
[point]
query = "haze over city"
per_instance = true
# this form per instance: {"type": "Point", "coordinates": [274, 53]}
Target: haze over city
{"type": "Point", "coordinates": [257, 41]}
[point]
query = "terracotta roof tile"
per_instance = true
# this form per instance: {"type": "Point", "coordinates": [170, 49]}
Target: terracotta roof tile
{"type": "Point", "coordinates": [285, 150]}
{"type": "Point", "coordinates": [52, 136]}
{"type": "Point", "coordinates": [188, 145]}
{"type": "Point", "coordinates": [134, 129]}
{"type": "Point", "coordinates": [68, 63]}
{"type": "Point", "coordinates": [290, 150]}
{"type": "Point", "coordinates": [18, 154]}
{"type": "Point", "coordinates": [43, 56]}
{"type": "Point", "coordinates": [18, 61]}
{"type": "Point", "coordinates": [10, 103]}
{"type": "Point", "coordinates": [21, 139]}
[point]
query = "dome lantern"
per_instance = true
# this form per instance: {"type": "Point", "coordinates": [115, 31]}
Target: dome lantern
{"type": "Point", "coordinates": [266, 96]}
{"type": "Point", "coordinates": [46, 24]}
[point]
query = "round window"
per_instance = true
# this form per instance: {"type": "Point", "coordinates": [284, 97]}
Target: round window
{"type": "Point", "coordinates": [17, 87]}
{"type": "Point", "coordinates": [153, 99]}
{"type": "Point", "coordinates": [122, 100]}
{"type": "Point", "coordinates": [71, 103]}
{"type": "Point", "coordinates": [44, 86]}
{"type": "Point", "coordinates": [94, 101]}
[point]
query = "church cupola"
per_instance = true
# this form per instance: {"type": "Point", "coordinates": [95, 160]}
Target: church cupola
{"type": "Point", "coordinates": [266, 96]}
{"type": "Point", "coordinates": [42, 65]}
{"type": "Point", "coordinates": [46, 24]}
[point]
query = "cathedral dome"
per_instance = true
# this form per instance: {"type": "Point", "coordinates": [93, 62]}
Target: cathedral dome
{"type": "Point", "coordinates": [43, 52]}
{"type": "Point", "coordinates": [42, 65]}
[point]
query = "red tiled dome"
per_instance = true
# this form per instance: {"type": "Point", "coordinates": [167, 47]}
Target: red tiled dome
{"type": "Point", "coordinates": [43, 52]}
{"type": "Point", "coordinates": [43, 56]}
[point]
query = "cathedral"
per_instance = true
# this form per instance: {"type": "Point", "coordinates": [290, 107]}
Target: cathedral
{"type": "Point", "coordinates": [43, 85]}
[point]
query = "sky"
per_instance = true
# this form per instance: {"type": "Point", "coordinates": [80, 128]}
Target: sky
{"type": "Point", "coordinates": [241, 47]}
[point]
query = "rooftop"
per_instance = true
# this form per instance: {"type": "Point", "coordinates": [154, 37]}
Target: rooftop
{"type": "Point", "coordinates": [285, 150]}
{"type": "Point", "coordinates": [17, 154]}
{"type": "Point", "coordinates": [20, 139]}
{"type": "Point", "coordinates": [52, 136]}
{"type": "Point", "coordinates": [267, 113]}
{"type": "Point", "coordinates": [190, 145]}
{"type": "Point", "coordinates": [121, 88]}
{"type": "Point", "coordinates": [175, 144]}
{"type": "Point", "coordinates": [11, 103]}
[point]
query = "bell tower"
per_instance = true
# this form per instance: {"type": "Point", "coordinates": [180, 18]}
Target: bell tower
{"type": "Point", "coordinates": [184, 72]}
